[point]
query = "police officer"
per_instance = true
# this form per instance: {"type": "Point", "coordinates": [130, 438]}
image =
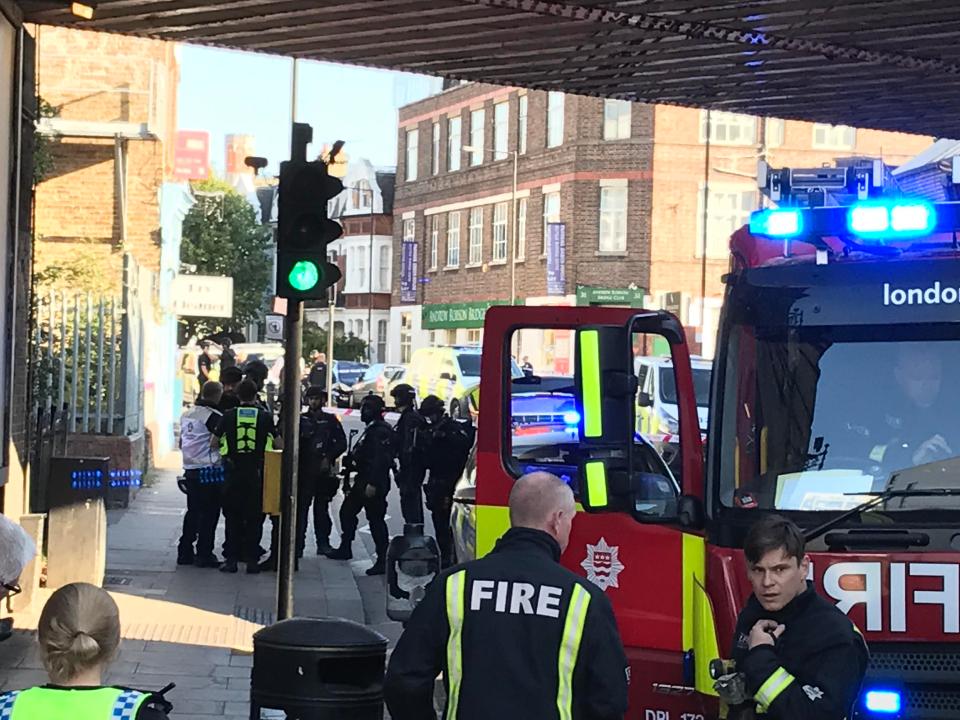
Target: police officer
{"type": "Point", "coordinates": [245, 434]}
{"type": "Point", "coordinates": [228, 356]}
{"type": "Point", "coordinates": [412, 467]}
{"type": "Point", "coordinates": [230, 377]}
{"type": "Point", "coordinates": [515, 634]}
{"type": "Point", "coordinates": [203, 479]}
{"type": "Point", "coordinates": [448, 445]}
{"type": "Point", "coordinates": [799, 657]}
{"type": "Point", "coordinates": [322, 442]}
{"type": "Point", "coordinates": [371, 459]}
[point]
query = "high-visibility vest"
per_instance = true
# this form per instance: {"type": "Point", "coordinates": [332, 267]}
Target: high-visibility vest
{"type": "Point", "coordinates": [108, 703]}
{"type": "Point", "coordinates": [246, 433]}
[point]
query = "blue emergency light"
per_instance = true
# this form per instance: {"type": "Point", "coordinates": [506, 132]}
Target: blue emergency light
{"type": "Point", "coordinates": [886, 702]}
{"type": "Point", "coordinates": [891, 220]}
{"type": "Point", "coordinates": [571, 418]}
{"type": "Point", "coordinates": [785, 223]}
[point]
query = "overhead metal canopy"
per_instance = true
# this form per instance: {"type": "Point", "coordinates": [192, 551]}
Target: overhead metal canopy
{"type": "Point", "coordinates": [867, 63]}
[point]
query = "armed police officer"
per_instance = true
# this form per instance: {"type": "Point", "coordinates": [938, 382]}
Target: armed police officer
{"type": "Point", "coordinates": [796, 656]}
{"type": "Point", "coordinates": [369, 462]}
{"type": "Point", "coordinates": [245, 434]}
{"type": "Point", "coordinates": [515, 634]}
{"type": "Point", "coordinates": [322, 442]}
{"type": "Point", "coordinates": [448, 443]}
{"type": "Point", "coordinates": [412, 467]}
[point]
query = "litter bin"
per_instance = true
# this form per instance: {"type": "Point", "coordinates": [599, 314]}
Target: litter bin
{"type": "Point", "coordinates": [318, 669]}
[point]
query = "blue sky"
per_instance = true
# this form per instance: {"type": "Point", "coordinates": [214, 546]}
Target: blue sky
{"type": "Point", "coordinates": [225, 92]}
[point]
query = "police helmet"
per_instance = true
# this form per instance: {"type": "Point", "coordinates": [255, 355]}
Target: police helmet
{"type": "Point", "coordinates": [316, 391]}
{"type": "Point", "coordinates": [256, 370]}
{"type": "Point", "coordinates": [373, 403]}
{"type": "Point", "coordinates": [403, 393]}
{"type": "Point", "coordinates": [231, 375]}
{"type": "Point", "coordinates": [431, 405]}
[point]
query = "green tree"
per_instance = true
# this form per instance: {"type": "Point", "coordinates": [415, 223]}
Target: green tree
{"type": "Point", "coordinates": [345, 347]}
{"type": "Point", "coordinates": [221, 236]}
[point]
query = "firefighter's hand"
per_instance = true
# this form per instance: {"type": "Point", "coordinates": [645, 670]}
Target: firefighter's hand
{"type": "Point", "coordinates": [370, 491]}
{"type": "Point", "coordinates": [934, 448]}
{"type": "Point", "coordinates": [765, 632]}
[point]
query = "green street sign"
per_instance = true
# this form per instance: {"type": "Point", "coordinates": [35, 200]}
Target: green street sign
{"type": "Point", "coordinates": [456, 315]}
{"type": "Point", "coordinates": [630, 297]}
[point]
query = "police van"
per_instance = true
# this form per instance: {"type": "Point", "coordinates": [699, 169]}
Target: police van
{"type": "Point", "coordinates": [447, 372]}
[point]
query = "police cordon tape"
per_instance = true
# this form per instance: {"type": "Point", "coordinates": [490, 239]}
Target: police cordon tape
{"type": "Point", "coordinates": [390, 417]}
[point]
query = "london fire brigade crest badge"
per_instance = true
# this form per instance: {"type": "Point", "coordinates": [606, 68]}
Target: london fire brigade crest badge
{"type": "Point", "coordinates": [603, 564]}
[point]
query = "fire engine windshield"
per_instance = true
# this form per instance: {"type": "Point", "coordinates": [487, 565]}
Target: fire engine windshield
{"type": "Point", "coordinates": [814, 416]}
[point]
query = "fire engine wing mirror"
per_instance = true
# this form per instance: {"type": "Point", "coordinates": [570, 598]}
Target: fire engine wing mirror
{"type": "Point", "coordinates": [606, 486]}
{"type": "Point", "coordinates": [644, 400]}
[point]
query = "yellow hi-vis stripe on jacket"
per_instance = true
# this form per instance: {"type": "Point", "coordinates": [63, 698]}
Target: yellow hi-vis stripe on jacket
{"type": "Point", "coordinates": [456, 595]}
{"type": "Point", "coordinates": [570, 648]}
{"type": "Point", "coordinates": [107, 703]}
{"type": "Point", "coordinates": [456, 591]}
{"type": "Point", "coordinates": [778, 681]}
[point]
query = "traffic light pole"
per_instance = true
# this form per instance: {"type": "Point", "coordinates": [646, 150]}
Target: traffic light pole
{"type": "Point", "coordinates": [290, 425]}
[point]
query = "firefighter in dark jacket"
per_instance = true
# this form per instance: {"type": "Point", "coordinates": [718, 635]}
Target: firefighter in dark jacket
{"type": "Point", "coordinates": [799, 657]}
{"type": "Point", "coordinates": [322, 442]}
{"type": "Point", "coordinates": [447, 447]}
{"type": "Point", "coordinates": [369, 462]}
{"type": "Point", "coordinates": [412, 467]}
{"type": "Point", "coordinates": [515, 634]}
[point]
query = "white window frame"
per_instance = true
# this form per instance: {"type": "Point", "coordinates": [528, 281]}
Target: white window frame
{"type": "Point", "coordinates": [520, 251]}
{"type": "Point", "coordinates": [555, 110]}
{"type": "Point", "coordinates": [435, 141]}
{"type": "Point", "coordinates": [834, 137]}
{"type": "Point", "coordinates": [614, 203]}
{"type": "Point", "coordinates": [478, 121]}
{"type": "Point", "coordinates": [382, 334]}
{"type": "Point", "coordinates": [501, 130]}
{"type": "Point", "coordinates": [475, 237]}
{"type": "Point", "coordinates": [406, 336]}
{"type": "Point", "coordinates": [501, 212]}
{"type": "Point", "coordinates": [774, 131]}
{"type": "Point", "coordinates": [549, 217]}
{"type": "Point", "coordinates": [617, 116]}
{"type": "Point", "coordinates": [729, 210]}
{"type": "Point", "coordinates": [434, 242]}
{"type": "Point", "coordinates": [360, 274]}
{"type": "Point", "coordinates": [383, 268]}
{"type": "Point", "coordinates": [454, 142]}
{"type": "Point", "coordinates": [727, 128]}
{"type": "Point", "coordinates": [475, 337]}
{"type": "Point", "coordinates": [453, 239]}
{"type": "Point", "coordinates": [522, 107]}
{"type": "Point", "coordinates": [363, 195]}
{"type": "Point", "coordinates": [413, 149]}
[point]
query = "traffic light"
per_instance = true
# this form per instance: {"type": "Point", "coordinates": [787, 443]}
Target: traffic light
{"type": "Point", "coordinates": [303, 271]}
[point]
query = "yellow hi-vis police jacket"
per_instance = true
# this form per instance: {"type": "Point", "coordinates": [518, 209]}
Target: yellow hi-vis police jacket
{"type": "Point", "coordinates": [80, 703]}
{"type": "Point", "coordinates": [516, 635]}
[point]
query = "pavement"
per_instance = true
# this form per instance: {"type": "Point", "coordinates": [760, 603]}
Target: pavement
{"type": "Point", "coordinates": [194, 626]}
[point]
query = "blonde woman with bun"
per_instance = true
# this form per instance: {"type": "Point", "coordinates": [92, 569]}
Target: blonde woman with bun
{"type": "Point", "coordinates": [79, 633]}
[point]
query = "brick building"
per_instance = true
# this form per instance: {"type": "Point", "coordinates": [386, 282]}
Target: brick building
{"type": "Point", "coordinates": [622, 183]}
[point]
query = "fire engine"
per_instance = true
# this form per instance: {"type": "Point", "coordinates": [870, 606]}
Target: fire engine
{"type": "Point", "coordinates": [832, 402]}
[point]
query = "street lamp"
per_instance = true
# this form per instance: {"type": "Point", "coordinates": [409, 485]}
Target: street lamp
{"type": "Point", "coordinates": [513, 214]}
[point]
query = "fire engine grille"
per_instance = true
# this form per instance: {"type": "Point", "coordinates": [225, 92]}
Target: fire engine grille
{"type": "Point", "coordinates": [931, 704]}
{"type": "Point", "coordinates": [915, 665]}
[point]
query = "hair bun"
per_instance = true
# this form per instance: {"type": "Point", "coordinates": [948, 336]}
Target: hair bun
{"type": "Point", "coordinates": [84, 647]}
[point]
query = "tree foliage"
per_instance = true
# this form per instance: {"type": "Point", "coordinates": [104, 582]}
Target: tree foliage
{"type": "Point", "coordinates": [221, 236]}
{"type": "Point", "coordinates": [345, 347]}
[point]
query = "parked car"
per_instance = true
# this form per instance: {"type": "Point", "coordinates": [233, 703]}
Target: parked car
{"type": "Point", "coordinates": [346, 373]}
{"type": "Point", "coordinates": [375, 381]}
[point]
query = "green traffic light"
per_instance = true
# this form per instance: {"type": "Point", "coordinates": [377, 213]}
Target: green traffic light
{"type": "Point", "coordinates": [304, 276]}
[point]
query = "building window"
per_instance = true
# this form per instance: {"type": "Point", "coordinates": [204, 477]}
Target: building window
{"type": "Point", "coordinates": [521, 246]}
{"type": "Point", "coordinates": [522, 125]}
{"type": "Point", "coordinates": [551, 214]}
{"type": "Point", "coordinates": [501, 130]}
{"type": "Point", "coordinates": [613, 219]}
{"type": "Point", "coordinates": [434, 242]}
{"type": "Point", "coordinates": [773, 132]}
{"type": "Point", "coordinates": [616, 119]}
{"type": "Point", "coordinates": [554, 119]}
{"type": "Point", "coordinates": [413, 148]}
{"type": "Point", "coordinates": [475, 337]}
{"type": "Point", "coordinates": [406, 336]}
{"type": "Point", "coordinates": [453, 144]}
{"type": "Point", "coordinates": [381, 340]}
{"type": "Point", "coordinates": [727, 212]}
{"type": "Point", "coordinates": [435, 149]}
{"type": "Point", "coordinates": [728, 128]}
{"type": "Point", "coordinates": [359, 270]}
{"type": "Point", "coordinates": [409, 230]}
{"type": "Point", "coordinates": [383, 268]}
{"type": "Point", "coordinates": [362, 195]}
{"type": "Point", "coordinates": [834, 137]}
{"type": "Point", "coordinates": [453, 240]}
{"type": "Point", "coordinates": [476, 136]}
{"type": "Point", "coordinates": [476, 236]}
{"type": "Point", "coordinates": [500, 214]}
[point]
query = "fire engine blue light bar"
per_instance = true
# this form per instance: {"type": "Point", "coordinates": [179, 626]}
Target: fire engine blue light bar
{"type": "Point", "coordinates": [882, 701]}
{"type": "Point", "coordinates": [777, 223]}
{"type": "Point", "coordinates": [891, 220]}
